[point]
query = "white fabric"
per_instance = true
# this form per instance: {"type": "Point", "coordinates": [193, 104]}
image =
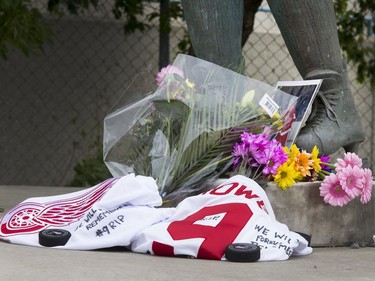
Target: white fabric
{"type": "Point", "coordinates": [202, 226]}
{"type": "Point", "coordinates": [106, 215]}
{"type": "Point", "coordinates": [122, 212]}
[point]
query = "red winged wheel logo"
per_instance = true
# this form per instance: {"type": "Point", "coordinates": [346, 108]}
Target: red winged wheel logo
{"type": "Point", "coordinates": [31, 217]}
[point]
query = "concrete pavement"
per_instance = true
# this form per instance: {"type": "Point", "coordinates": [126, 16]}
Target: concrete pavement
{"type": "Point", "coordinates": [20, 263]}
{"type": "Point", "coordinates": [32, 263]}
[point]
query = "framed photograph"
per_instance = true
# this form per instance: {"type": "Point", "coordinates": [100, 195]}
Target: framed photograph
{"type": "Point", "coordinates": [297, 113]}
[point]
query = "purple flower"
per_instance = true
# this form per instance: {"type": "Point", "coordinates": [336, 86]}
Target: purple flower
{"type": "Point", "coordinates": [256, 141]}
{"type": "Point", "coordinates": [239, 152]}
{"type": "Point", "coordinates": [325, 159]}
{"type": "Point", "coordinates": [255, 145]}
{"type": "Point", "coordinates": [258, 154]}
{"type": "Point", "coordinates": [274, 156]}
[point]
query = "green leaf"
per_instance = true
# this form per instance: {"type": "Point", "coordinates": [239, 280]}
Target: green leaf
{"type": "Point", "coordinates": [218, 127]}
{"type": "Point", "coordinates": [173, 108]}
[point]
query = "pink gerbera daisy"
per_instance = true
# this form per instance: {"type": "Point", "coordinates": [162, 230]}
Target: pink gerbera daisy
{"type": "Point", "coordinates": [168, 70]}
{"type": "Point", "coordinates": [332, 191]}
{"type": "Point", "coordinates": [367, 186]}
{"type": "Point", "coordinates": [351, 180]}
{"type": "Point", "coordinates": [350, 159]}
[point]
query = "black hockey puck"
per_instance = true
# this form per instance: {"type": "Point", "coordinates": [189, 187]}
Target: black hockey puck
{"type": "Point", "coordinates": [306, 236]}
{"type": "Point", "coordinates": [53, 237]}
{"type": "Point", "coordinates": [242, 252]}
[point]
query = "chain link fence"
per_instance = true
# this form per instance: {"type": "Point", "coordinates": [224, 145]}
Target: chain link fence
{"type": "Point", "coordinates": [53, 104]}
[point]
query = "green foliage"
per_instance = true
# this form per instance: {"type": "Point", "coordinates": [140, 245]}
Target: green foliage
{"type": "Point", "coordinates": [91, 170]}
{"type": "Point", "coordinates": [352, 27]}
{"type": "Point", "coordinates": [130, 9]}
{"type": "Point", "coordinates": [22, 28]}
{"type": "Point", "coordinates": [184, 44]}
{"type": "Point", "coordinates": [72, 6]}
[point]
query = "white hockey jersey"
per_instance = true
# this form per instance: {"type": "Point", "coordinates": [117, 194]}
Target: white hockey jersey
{"type": "Point", "coordinates": [106, 215]}
{"type": "Point", "coordinates": [238, 211]}
{"type": "Point", "coordinates": [124, 212]}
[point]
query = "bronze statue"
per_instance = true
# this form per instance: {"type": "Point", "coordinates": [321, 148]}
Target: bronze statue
{"type": "Point", "coordinates": [310, 33]}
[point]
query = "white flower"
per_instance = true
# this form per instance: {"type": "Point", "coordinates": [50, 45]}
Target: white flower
{"type": "Point", "coordinates": [247, 99]}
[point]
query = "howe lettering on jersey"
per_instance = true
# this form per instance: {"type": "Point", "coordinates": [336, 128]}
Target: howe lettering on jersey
{"type": "Point", "coordinates": [237, 211]}
{"type": "Point", "coordinates": [238, 189]}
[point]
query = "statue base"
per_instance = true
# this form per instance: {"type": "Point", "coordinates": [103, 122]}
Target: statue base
{"type": "Point", "coordinates": [302, 209]}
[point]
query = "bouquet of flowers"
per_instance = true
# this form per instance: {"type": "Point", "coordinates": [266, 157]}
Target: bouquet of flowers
{"type": "Point", "coordinates": [184, 132]}
{"type": "Point", "coordinates": [258, 157]}
{"type": "Point", "coordinates": [348, 181]}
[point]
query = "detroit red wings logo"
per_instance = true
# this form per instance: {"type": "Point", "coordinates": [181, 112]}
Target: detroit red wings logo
{"type": "Point", "coordinates": [32, 217]}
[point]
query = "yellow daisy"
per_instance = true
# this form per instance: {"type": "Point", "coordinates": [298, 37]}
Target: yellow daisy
{"type": "Point", "coordinates": [286, 175]}
{"type": "Point", "coordinates": [292, 154]}
{"type": "Point", "coordinates": [315, 160]}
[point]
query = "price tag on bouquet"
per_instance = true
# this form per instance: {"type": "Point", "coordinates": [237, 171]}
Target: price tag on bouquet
{"type": "Point", "coordinates": [269, 105]}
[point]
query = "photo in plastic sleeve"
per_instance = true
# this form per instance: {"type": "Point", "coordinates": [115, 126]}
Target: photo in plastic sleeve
{"type": "Point", "coordinates": [297, 115]}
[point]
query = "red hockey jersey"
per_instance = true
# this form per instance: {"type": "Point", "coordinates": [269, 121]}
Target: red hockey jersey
{"type": "Point", "coordinates": [202, 226]}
